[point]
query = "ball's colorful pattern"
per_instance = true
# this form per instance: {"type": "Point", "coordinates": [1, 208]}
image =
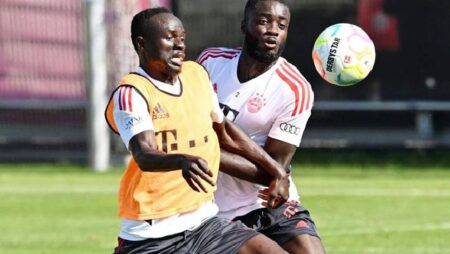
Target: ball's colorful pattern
{"type": "Point", "coordinates": [343, 54]}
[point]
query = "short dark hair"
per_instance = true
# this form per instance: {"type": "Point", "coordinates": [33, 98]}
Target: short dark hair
{"type": "Point", "coordinates": [138, 25]}
{"type": "Point", "coordinates": [250, 6]}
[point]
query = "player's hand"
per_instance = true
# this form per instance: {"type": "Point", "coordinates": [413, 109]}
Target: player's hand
{"type": "Point", "coordinates": [291, 208]}
{"type": "Point", "coordinates": [277, 193]}
{"type": "Point", "coordinates": [196, 172]}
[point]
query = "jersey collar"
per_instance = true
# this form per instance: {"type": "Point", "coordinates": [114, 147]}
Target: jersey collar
{"type": "Point", "coordinates": [174, 89]}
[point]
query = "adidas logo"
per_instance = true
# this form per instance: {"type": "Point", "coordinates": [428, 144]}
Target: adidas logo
{"type": "Point", "coordinates": [159, 112]}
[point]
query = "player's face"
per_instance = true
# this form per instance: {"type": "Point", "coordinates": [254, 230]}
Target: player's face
{"type": "Point", "coordinates": [266, 30]}
{"type": "Point", "coordinates": [165, 49]}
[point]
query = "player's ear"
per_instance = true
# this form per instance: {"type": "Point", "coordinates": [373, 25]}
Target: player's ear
{"type": "Point", "coordinates": [140, 43]}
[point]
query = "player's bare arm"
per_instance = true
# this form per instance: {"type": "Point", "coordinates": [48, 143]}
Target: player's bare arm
{"type": "Point", "coordinates": [238, 166]}
{"type": "Point", "coordinates": [195, 170]}
{"type": "Point", "coordinates": [280, 151]}
{"type": "Point", "coordinates": [234, 140]}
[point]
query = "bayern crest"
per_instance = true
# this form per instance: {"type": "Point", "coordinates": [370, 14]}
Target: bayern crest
{"type": "Point", "coordinates": [255, 103]}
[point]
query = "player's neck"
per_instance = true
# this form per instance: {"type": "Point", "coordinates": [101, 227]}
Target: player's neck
{"type": "Point", "coordinates": [249, 68]}
{"type": "Point", "coordinates": [168, 78]}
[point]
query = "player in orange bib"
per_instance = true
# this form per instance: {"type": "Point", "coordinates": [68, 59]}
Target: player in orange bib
{"type": "Point", "coordinates": [168, 116]}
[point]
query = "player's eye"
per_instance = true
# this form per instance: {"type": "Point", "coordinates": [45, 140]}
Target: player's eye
{"type": "Point", "coordinates": [263, 22]}
{"type": "Point", "coordinates": [282, 26]}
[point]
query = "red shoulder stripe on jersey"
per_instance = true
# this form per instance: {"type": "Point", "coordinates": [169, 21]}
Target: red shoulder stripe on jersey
{"type": "Point", "coordinates": [228, 50]}
{"type": "Point", "coordinates": [125, 102]}
{"type": "Point", "coordinates": [219, 50]}
{"type": "Point", "coordinates": [297, 81]}
{"type": "Point", "coordinates": [304, 82]}
{"type": "Point", "coordinates": [216, 51]}
{"type": "Point", "coordinates": [130, 91]}
{"type": "Point", "coordinates": [212, 55]}
{"type": "Point", "coordinates": [308, 85]}
{"type": "Point", "coordinates": [215, 54]}
{"type": "Point", "coordinates": [120, 99]}
{"type": "Point", "coordinates": [125, 99]}
{"type": "Point", "coordinates": [293, 87]}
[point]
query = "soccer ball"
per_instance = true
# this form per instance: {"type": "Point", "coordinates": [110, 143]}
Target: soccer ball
{"type": "Point", "coordinates": [343, 54]}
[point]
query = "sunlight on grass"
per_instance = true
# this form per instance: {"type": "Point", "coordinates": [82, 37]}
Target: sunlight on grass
{"type": "Point", "coordinates": [358, 207]}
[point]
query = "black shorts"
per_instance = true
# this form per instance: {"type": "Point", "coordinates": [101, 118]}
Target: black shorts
{"type": "Point", "coordinates": [279, 224]}
{"type": "Point", "coordinates": [213, 236]}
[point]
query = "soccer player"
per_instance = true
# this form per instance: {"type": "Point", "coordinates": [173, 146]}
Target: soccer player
{"type": "Point", "coordinates": [164, 113]}
{"type": "Point", "coordinates": [271, 101]}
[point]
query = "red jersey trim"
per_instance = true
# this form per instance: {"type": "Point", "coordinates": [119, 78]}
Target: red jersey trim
{"type": "Point", "coordinates": [125, 99]}
{"type": "Point", "coordinates": [217, 52]}
{"type": "Point", "coordinates": [216, 55]}
{"type": "Point", "coordinates": [120, 99]}
{"type": "Point", "coordinates": [296, 82]}
{"type": "Point", "coordinates": [303, 82]}
{"type": "Point", "coordinates": [293, 87]}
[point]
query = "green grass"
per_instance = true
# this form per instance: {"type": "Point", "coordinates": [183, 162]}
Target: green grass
{"type": "Point", "coordinates": [361, 204]}
{"type": "Point", "coordinates": [57, 209]}
{"type": "Point", "coordinates": [391, 203]}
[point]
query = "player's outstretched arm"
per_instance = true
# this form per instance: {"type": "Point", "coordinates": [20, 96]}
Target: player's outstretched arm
{"type": "Point", "coordinates": [238, 166]}
{"type": "Point", "coordinates": [234, 140]}
{"type": "Point", "coordinates": [194, 169]}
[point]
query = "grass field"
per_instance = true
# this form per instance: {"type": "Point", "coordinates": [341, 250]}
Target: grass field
{"type": "Point", "coordinates": [362, 204]}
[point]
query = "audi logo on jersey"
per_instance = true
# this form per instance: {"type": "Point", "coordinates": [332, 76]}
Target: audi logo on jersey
{"type": "Point", "coordinates": [289, 128]}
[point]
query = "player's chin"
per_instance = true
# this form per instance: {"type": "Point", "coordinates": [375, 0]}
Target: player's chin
{"type": "Point", "coordinates": [269, 50]}
{"type": "Point", "coordinates": [268, 56]}
{"type": "Point", "coordinates": [174, 68]}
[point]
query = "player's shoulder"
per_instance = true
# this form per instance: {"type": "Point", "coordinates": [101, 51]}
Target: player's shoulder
{"type": "Point", "coordinates": [192, 66]}
{"type": "Point", "coordinates": [290, 75]}
{"type": "Point", "coordinates": [217, 53]}
{"type": "Point", "coordinates": [134, 79]}
{"type": "Point", "coordinates": [294, 85]}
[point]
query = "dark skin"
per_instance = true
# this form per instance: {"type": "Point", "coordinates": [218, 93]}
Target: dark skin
{"type": "Point", "coordinates": [161, 57]}
{"type": "Point", "coordinates": [168, 35]}
{"type": "Point", "coordinates": [240, 167]}
{"type": "Point", "coordinates": [266, 30]}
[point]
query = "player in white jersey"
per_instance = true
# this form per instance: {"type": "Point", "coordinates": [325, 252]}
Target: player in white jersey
{"type": "Point", "coordinates": [271, 101]}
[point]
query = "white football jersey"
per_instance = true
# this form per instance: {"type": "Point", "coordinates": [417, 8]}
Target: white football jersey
{"type": "Point", "coordinates": [275, 104]}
